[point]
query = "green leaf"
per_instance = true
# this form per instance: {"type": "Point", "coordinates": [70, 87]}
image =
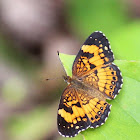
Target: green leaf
{"type": "Point", "coordinates": [67, 61]}
{"type": "Point", "coordinates": [124, 119]}
{"type": "Point", "coordinates": [129, 68]}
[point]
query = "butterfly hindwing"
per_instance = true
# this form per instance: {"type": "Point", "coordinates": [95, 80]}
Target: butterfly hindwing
{"type": "Point", "coordinates": [71, 117]}
{"type": "Point", "coordinates": [110, 80]}
{"type": "Point", "coordinates": [78, 110]}
{"type": "Point", "coordinates": [97, 110]}
{"type": "Point", "coordinates": [94, 53]}
{"type": "Point", "coordinates": [106, 79]}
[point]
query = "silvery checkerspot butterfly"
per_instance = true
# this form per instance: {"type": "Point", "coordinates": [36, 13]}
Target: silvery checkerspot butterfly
{"type": "Point", "coordinates": [94, 79]}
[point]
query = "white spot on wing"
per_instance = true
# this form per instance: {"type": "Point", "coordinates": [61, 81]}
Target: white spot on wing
{"type": "Point", "coordinates": [97, 126]}
{"type": "Point", "coordinates": [105, 119]}
{"type": "Point", "coordinates": [106, 48]}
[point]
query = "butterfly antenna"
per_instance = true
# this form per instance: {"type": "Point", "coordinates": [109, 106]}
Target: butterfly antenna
{"type": "Point", "coordinates": [54, 78]}
{"type": "Point", "coordinates": [58, 53]}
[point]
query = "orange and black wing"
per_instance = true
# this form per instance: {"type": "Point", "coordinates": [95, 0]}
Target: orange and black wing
{"type": "Point", "coordinates": [93, 66]}
{"type": "Point", "coordinates": [106, 79]}
{"type": "Point", "coordinates": [78, 111]}
{"type": "Point", "coordinates": [71, 118]}
{"type": "Point", "coordinates": [96, 110]}
{"type": "Point", "coordinates": [94, 53]}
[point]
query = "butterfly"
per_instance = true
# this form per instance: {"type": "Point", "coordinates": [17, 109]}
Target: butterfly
{"type": "Point", "coordinates": [94, 79]}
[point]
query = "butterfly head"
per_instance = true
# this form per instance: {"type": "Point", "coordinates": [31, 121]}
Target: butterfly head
{"type": "Point", "coordinates": [67, 79]}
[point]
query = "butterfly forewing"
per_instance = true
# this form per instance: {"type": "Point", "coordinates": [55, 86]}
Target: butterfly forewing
{"type": "Point", "coordinates": [94, 53]}
{"type": "Point", "coordinates": [93, 65]}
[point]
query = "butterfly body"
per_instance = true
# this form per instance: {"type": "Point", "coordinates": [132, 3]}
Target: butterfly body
{"type": "Point", "coordinates": [94, 79]}
{"type": "Point", "coordinates": [79, 84]}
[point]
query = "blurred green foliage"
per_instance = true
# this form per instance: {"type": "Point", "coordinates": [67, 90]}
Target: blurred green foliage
{"type": "Point", "coordinates": [14, 91]}
{"type": "Point", "coordinates": [14, 57]}
{"type": "Point", "coordinates": [88, 16]}
{"type": "Point", "coordinates": [125, 42]}
{"type": "Point", "coordinates": [31, 126]}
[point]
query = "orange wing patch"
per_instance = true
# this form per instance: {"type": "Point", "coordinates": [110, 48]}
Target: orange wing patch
{"type": "Point", "coordinates": [90, 49]}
